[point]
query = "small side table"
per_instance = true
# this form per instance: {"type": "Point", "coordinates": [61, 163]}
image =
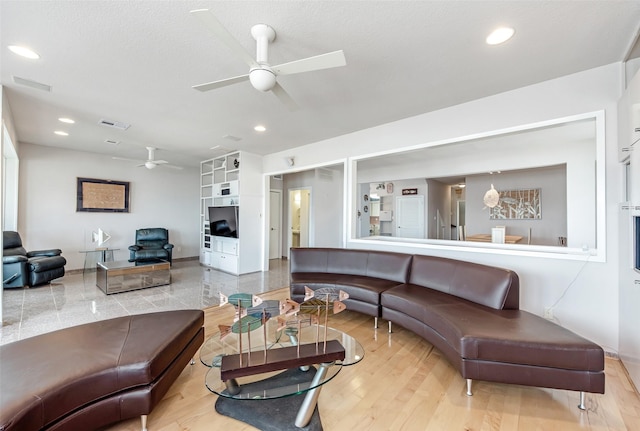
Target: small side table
{"type": "Point", "coordinates": [92, 257]}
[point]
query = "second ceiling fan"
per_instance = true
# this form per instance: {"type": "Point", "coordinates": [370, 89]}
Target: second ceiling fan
{"type": "Point", "coordinates": [261, 74]}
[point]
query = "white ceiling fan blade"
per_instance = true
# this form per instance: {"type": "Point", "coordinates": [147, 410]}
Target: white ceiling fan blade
{"type": "Point", "coordinates": [212, 23]}
{"type": "Point", "coordinates": [126, 159]}
{"type": "Point", "coordinates": [172, 166]}
{"type": "Point", "coordinates": [319, 62]}
{"type": "Point", "coordinates": [284, 97]}
{"type": "Point", "coordinates": [158, 162]}
{"type": "Point", "coordinates": [222, 83]}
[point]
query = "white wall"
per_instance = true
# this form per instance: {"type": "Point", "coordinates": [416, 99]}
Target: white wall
{"type": "Point", "coordinates": [47, 216]}
{"type": "Point", "coordinates": [553, 196]}
{"type": "Point", "coordinates": [588, 291]}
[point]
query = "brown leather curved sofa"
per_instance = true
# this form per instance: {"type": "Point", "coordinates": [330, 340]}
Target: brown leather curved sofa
{"type": "Point", "coordinates": [470, 312]}
{"type": "Point", "coordinates": [88, 376]}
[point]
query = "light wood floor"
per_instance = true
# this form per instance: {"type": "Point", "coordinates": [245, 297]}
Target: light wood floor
{"type": "Point", "coordinates": [403, 383]}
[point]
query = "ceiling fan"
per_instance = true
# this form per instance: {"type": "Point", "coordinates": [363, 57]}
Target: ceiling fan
{"type": "Point", "coordinates": [151, 161]}
{"type": "Point", "coordinates": [261, 74]}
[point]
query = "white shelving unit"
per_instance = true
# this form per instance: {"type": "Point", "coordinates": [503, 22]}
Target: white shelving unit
{"type": "Point", "coordinates": [233, 179]}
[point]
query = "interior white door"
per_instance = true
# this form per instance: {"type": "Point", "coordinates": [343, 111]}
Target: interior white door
{"type": "Point", "coordinates": [410, 216]}
{"type": "Point", "coordinates": [305, 201]}
{"type": "Point", "coordinates": [275, 224]}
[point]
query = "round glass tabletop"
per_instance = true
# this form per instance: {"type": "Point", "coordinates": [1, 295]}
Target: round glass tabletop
{"type": "Point", "coordinates": [259, 339]}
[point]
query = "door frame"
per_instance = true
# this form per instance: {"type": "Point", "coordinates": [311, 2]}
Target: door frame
{"type": "Point", "coordinates": [279, 223]}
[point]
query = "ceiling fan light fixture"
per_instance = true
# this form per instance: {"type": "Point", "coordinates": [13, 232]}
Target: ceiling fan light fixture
{"type": "Point", "coordinates": [262, 79]}
{"type": "Point", "coordinates": [500, 35]}
{"type": "Point", "coordinates": [149, 165]}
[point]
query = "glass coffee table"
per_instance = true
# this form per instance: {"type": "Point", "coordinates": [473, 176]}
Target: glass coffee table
{"type": "Point", "coordinates": [259, 342]}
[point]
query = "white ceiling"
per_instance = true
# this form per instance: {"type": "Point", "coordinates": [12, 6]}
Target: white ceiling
{"type": "Point", "coordinates": [136, 61]}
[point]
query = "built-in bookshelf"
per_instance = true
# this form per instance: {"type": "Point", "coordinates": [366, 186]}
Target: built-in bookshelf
{"type": "Point", "coordinates": [233, 179]}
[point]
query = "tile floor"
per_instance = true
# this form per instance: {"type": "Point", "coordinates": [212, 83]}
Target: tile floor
{"type": "Point", "coordinates": [74, 299]}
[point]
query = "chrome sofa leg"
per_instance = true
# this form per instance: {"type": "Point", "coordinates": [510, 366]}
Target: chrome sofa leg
{"type": "Point", "coordinates": [192, 362]}
{"type": "Point", "coordinates": [375, 323]}
{"type": "Point", "coordinates": [469, 382]}
{"type": "Point", "coordinates": [389, 326]}
{"type": "Point", "coordinates": [582, 406]}
{"type": "Point", "coordinates": [143, 419]}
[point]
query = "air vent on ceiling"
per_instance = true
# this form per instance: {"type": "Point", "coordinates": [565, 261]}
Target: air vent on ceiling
{"type": "Point", "coordinates": [111, 142]}
{"type": "Point", "coordinates": [32, 84]}
{"type": "Point", "coordinates": [232, 138]}
{"type": "Point", "coordinates": [117, 124]}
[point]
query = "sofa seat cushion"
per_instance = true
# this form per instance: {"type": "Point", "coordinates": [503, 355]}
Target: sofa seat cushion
{"type": "Point", "coordinates": [482, 333]}
{"type": "Point", "coordinates": [519, 337]}
{"type": "Point", "coordinates": [50, 375]}
{"type": "Point", "coordinates": [359, 288]}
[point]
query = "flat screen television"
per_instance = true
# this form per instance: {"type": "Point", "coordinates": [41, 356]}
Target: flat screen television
{"type": "Point", "coordinates": [223, 221]}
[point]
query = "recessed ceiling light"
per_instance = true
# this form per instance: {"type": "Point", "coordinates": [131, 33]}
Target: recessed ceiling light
{"type": "Point", "coordinates": [24, 52]}
{"type": "Point", "coordinates": [61, 133]}
{"type": "Point", "coordinates": [259, 128]}
{"type": "Point", "coordinates": [66, 120]}
{"type": "Point", "coordinates": [500, 35]}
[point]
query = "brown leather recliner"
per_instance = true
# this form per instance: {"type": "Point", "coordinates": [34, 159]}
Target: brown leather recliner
{"type": "Point", "coordinates": [21, 268]}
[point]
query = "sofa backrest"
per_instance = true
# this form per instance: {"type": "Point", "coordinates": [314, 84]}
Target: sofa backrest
{"type": "Point", "coordinates": [486, 285]}
{"type": "Point", "coordinates": [369, 263]}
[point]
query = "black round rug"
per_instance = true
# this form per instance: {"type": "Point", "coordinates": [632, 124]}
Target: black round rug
{"type": "Point", "coordinates": [272, 415]}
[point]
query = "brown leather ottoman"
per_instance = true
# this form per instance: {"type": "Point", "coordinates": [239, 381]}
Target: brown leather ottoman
{"type": "Point", "coordinates": [88, 376]}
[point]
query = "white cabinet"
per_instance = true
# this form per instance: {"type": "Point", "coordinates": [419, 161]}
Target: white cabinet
{"type": "Point", "coordinates": [234, 179]}
{"type": "Point", "coordinates": [224, 254]}
{"type": "Point", "coordinates": [629, 283]}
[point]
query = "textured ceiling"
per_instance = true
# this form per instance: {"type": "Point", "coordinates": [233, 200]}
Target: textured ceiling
{"type": "Point", "coordinates": [136, 61]}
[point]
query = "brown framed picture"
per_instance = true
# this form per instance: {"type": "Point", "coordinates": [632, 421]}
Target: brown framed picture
{"type": "Point", "coordinates": [94, 195]}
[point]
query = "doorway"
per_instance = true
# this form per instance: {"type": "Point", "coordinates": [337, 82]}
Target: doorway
{"type": "Point", "coordinates": [299, 217]}
{"type": "Point", "coordinates": [410, 216]}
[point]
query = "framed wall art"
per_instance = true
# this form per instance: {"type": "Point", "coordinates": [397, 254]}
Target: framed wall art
{"type": "Point", "coordinates": [523, 204]}
{"type": "Point", "coordinates": [94, 195]}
